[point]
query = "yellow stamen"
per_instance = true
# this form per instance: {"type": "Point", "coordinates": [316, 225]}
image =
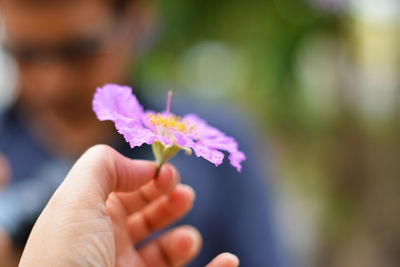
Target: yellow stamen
{"type": "Point", "coordinates": [165, 123]}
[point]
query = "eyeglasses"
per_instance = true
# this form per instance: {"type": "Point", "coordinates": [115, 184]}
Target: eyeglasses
{"type": "Point", "coordinates": [71, 50]}
{"type": "Point", "coordinates": [82, 47]}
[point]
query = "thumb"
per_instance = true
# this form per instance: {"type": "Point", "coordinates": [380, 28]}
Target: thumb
{"type": "Point", "coordinates": [101, 170]}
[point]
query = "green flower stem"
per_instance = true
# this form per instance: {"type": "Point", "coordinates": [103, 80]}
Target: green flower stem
{"type": "Point", "coordinates": [163, 153]}
{"type": "Point", "coordinates": [158, 169]}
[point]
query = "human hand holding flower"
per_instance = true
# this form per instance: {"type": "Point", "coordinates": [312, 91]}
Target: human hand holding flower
{"type": "Point", "coordinates": [108, 203]}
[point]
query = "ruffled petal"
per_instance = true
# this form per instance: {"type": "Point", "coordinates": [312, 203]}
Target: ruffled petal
{"type": "Point", "coordinates": [114, 102]}
{"type": "Point", "coordinates": [134, 133]}
{"type": "Point", "coordinates": [201, 128]}
{"type": "Point", "coordinates": [236, 159]}
{"type": "Point", "coordinates": [209, 154]}
{"type": "Point", "coordinates": [214, 139]}
{"type": "Point", "coordinates": [183, 140]}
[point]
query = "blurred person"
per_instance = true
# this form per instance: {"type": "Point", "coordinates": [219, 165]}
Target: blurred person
{"type": "Point", "coordinates": [75, 230]}
{"type": "Point", "coordinates": [64, 50]}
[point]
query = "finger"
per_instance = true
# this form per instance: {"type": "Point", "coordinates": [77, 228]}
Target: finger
{"type": "Point", "coordinates": [5, 171]}
{"type": "Point", "coordinates": [164, 184]}
{"type": "Point", "coordinates": [224, 260]}
{"type": "Point", "coordinates": [161, 213]}
{"type": "Point", "coordinates": [174, 248]}
{"type": "Point", "coordinates": [101, 170]}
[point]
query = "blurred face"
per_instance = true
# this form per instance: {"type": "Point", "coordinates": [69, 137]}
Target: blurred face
{"type": "Point", "coordinates": [64, 50]}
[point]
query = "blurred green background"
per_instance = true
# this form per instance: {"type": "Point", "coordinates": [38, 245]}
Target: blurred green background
{"type": "Point", "coordinates": [321, 79]}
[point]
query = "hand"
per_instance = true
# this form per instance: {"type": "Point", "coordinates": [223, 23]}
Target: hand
{"type": "Point", "coordinates": [108, 203]}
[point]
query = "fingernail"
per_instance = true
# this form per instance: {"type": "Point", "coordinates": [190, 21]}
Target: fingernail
{"type": "Point", "coordinates": [175, 174]}
{"type": "Point", "coordinates": [189, 241]}
{"type": "Point", "coordinates": [189, 189]}
{"type": "Point", "coordinates": [234, 260]}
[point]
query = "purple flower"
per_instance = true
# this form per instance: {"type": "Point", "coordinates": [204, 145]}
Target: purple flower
{"type": "Point", "coordinates": [166, 132]}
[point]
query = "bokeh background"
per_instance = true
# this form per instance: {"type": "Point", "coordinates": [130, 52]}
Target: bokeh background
{"type": "Point", "coordinates": [320, 80]}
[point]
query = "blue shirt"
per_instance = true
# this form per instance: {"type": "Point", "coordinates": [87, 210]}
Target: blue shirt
{"type": "Point", "coordinates": [233, 211]}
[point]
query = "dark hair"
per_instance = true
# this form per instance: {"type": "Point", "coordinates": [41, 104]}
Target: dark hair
{"type": "Point", "coordinates": [120, 5]}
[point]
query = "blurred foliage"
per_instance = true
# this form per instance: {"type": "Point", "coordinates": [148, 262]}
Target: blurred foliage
{"type": "Point", "coordinates": [255, 28]}
{"type": "Point", "coordinates": [301, 66]}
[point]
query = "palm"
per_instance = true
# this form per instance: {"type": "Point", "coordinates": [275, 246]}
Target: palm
{"type": "Point", "coordinates": [125, 253]}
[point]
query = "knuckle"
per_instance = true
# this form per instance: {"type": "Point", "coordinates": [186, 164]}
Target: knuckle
{"type": "Point", "coordinates": [99, 156]}
{"type": "Point", "coordinates": [100, 152]}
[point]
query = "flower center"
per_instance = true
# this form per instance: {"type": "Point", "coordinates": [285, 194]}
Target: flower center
{"type": "Point", "coordinates": [167, 124]}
